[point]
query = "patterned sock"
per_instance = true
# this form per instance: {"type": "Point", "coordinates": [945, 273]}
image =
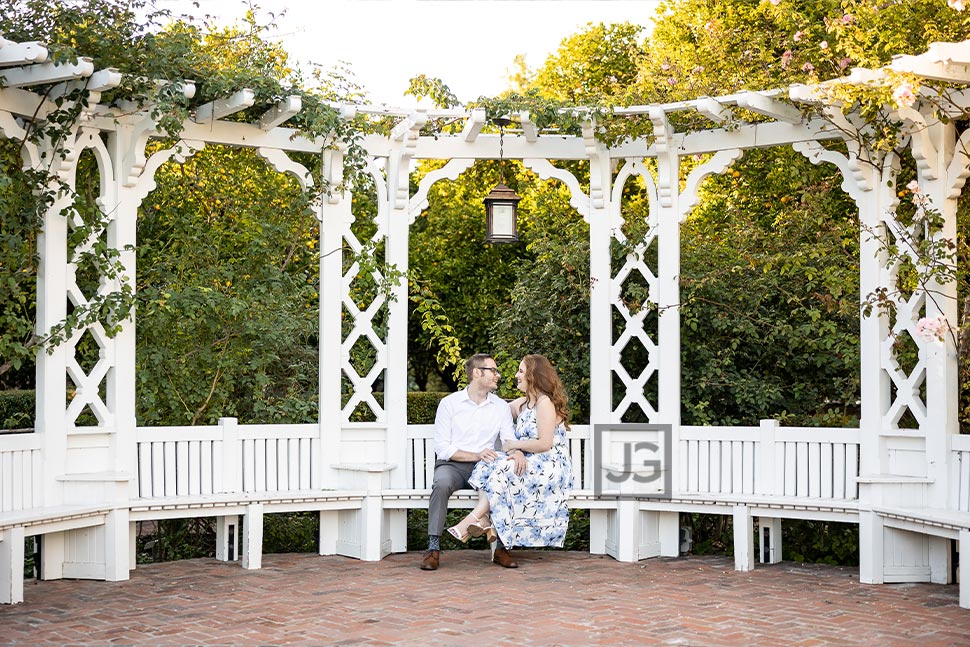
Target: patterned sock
{"type": "Point", "coordinates": [434, 542]}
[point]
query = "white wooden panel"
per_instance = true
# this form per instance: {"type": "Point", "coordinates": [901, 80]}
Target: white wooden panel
{"type": "Point", "coordinates": [826, 466]}
{"type": "Point", "coordinates": [749, 467]}
{"type": "Point", "coordinates": [272, 456]}
{"type": "Point", "coordinates": [727, 464]}
{"type": "Point", "coordinates": [195, 469]}
{"type": "Point", "coordinates": [158, 469]}
{"type": "Point", "coordinates": [304, 463]}
{"type": "Point", "coordinates": [851, 471]}
{"type": "Point", "coordinates": [781, 467]}
{"type": "Point", "coordinates": [316, 468]}
{"type": "Point", "coordinates": [19, 479]}
{"type": "Point", "coordinates": [682, 475]}
{"type": "Point", "coordinates": [838, 471]}
{"type": "Point", "coordinates": [182, 468]}
{"type": "Point", "coordinates": [206, 468]}
{"type": "Point", "coordinates": [791, 469]}
{"type": "Point", "coordinates": [38, 472]}
{"type": "Point", "coordinates": [218, 467]}
{"type": "Point", "coordinates": [282, 465]}
{"type": "Point", "coordinates": [964, 462]}
{"type": "Point", "coordinates": [294, 465]}
{"type": "Point", "coordinates": [6, 481]}
{"type": "Point", "coordinates": [170, 468]}
{"type": "Point", "coordinates": [802, 469]}
{"type": "Point", "coordinates": [737, 466]}
{"type": "Point", "coordinates": [713, 466]}
{"type": "Point", "coordinates": [145, 470]}
{"type": "Point", "coordinates": [693, 456]}
{"type": "Point", "coordinates": [248, 465]}
{"type": "Point", "coordinates": [814, 470]}
{"type": "Point", "coordinates": [704, 467]}
{"type": "Point", "coordinates": [760, 486]}
{"type": "Point", "coordinates": [259, 464]}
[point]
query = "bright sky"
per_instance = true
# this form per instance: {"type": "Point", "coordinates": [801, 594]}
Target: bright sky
{"type": "Point", "coordinates": [468, 44]}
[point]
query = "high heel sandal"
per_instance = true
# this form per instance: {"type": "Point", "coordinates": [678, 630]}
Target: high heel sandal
{"type": "Point", "coordinates": [482, 526]}
{"type": "Point", "coordinates": [463, 537]}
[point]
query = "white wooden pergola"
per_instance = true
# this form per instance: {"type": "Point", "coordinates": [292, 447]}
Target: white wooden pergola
{"type": "Point", "coordinates": [82, 488]}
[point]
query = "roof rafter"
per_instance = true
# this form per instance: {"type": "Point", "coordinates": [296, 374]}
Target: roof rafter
{"type": "Point", "coordinates": [215, 110]}
{"type": "Point", "coordinates": [43, 73]}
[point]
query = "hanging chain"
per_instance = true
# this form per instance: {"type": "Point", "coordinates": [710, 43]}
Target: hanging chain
{"type": "Point", "coordinates": [501, 153]}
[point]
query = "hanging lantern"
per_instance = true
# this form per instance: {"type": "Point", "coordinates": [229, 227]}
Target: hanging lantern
{"type": "Point", "coordinates": [501, 204]}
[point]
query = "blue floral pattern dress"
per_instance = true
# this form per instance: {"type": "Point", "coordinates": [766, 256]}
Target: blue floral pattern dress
{"type": "Point", "coordinates": [529, 510]}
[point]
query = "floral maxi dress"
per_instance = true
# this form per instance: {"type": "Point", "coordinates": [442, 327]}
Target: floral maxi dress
{"type": "Point", "coordinates": [529, 510]}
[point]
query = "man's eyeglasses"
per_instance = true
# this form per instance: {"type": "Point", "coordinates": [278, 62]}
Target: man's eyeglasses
{"type": "Point", "coordinates": [489, 368]}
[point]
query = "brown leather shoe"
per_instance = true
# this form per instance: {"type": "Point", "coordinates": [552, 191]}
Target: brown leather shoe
{"type": "Point", "coordinates": [430, 561]}
{"type": "Point", "coordinates": [503, 558]}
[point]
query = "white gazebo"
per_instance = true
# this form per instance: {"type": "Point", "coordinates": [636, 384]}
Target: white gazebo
{"type": "Point", "coordinates": [81, 489]}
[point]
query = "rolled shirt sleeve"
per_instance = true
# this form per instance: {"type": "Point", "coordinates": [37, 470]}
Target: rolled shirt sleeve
{"type": "Point", "coordinates": [444, 449]}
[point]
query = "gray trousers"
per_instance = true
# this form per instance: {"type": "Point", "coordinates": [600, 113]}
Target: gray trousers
{"type": "Point", "coordinates": [449, 476]}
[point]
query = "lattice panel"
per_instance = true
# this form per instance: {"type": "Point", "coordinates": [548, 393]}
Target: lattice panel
{"type": "Point", "coordinates": [903, 355]}
{"type": "Point", "coordinates": [364, 346]}
{"type": "Point", "coordinates": [90, 351]}
{"type": "Point", "coordinates": [633, 352]}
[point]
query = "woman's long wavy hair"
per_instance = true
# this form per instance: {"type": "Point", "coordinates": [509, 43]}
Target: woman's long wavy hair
{"type": "Point", "coordinates": [541, 379]}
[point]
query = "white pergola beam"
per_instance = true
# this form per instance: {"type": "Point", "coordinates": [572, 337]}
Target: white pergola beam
{"type": "Point", "coordinates": [528, 128]}
{"type": "Point", "coordinates": [19, 77]}
{"type": "Point", "coordinates": [12, 53]}
{"type": "Point", "coordinates": [215, 110]}
{"type": "Point", "coordinates": [474, 125]}
{"type": "Point", "coordinates": [98, 82]}
{"type": "Point", "coordinates": [282, 111]}
{"type": "Point", "coordinates": [764, 105]}
{"type": "Point", "coordinates": [956, 72]}
{"type": "Point", "coordinates": [413, 122]}
{"type": "Point", "coordinates": [714, 110]}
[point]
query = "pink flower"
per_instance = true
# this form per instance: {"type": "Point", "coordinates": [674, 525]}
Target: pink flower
{"type": "Point", "coordinates": [913, 186]}
{"type": "Point", "coordinates": [709, 26]}
{"type": "Point", "coordinates": [786, 58]}
{"type": "Point", "coordinates": [798, 35]}
{"type": "Point", "coordinates": [958, 5]}
{"type": "Point", "coordinates": [904, 96]}
{"type": "Point", "coordinates": [931, 329]}
{"type": "Point", "coordinates": [808, 67]}
{"type": "Point", "coordinates": [844, 63]}
{"type": "Point", "coordinates": [774, 2]}
{"type": "Point", "coordinates": [671, 81]}
{"type": "Point", "coordinates": [848, 19]}
{"type": "Point", "coordinates": [824, 44]}
{"type": "Point", "coordinates": [665, 67]}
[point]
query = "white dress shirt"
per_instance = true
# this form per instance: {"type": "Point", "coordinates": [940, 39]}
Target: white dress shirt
{"type": "Point", "coordinates": [462, 424]}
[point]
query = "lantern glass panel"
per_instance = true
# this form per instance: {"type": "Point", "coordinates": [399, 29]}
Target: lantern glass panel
{"type": "Point", "coordinates": [503, 221]}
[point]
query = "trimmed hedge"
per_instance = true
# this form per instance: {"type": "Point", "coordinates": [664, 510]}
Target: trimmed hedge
{"type": "Point", "coordinates": [422, 406]}
{"type": "Point", "coordinates": [16, 409]}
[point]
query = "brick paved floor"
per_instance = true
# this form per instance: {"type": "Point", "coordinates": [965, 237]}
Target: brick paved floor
{"type": "Point", "coordinates": [554, 598]}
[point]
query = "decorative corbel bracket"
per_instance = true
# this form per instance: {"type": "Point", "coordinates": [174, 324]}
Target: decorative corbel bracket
{"type": "Point", "coordinates": [282, 162]}
{"type": "Point", "coordinates": [450, 171]}
{"type": "Point", "coordinates": [925, 151]}
{"type": "Point", "coordinates": [718, 163]}
{"type": "Point", "coordinates": [663, 137]}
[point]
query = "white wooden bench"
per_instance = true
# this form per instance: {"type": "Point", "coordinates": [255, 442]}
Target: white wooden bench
{"type": "Point", "coordinates": [17, 525]}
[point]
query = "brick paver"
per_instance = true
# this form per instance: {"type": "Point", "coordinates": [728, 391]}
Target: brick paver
{"type": "Point", "coordinates": [554, 598]}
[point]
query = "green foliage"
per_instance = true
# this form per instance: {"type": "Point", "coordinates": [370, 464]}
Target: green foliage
{"type": "Point", "coordinates": [169, 540]}
{"type": "Point", "coordinates": [228, 294]}
{"type": "Point", "coordinates": [291, 532]}
{"type": "Point", "coordinates": [422, 406]}
{"type": "Point", "coordinates": [770, 297]}
{"type": "Point", "coordinates": [820, 542]}
{"type": "Point", "coordinates": [17, 409]}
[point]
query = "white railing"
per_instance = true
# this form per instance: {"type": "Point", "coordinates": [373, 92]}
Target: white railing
{"type": "Point", "coordinates": [226, 458]}
{"type": "Point", "coordinates": [810, 462]}
{"type": "Point", "coordinates": [421, 457]}
{"type": "Point", "coordinates": [960, 483]}
{"type": "Point", "coordinates": [20, 471]}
